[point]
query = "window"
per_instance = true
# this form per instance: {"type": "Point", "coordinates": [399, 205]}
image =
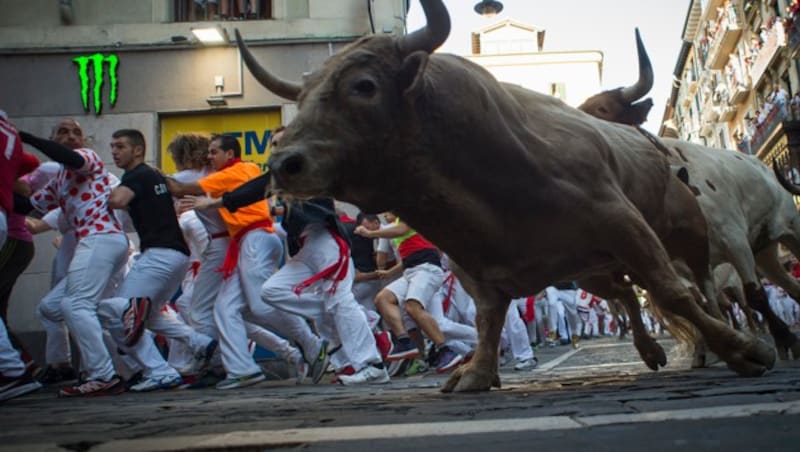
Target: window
{"type": "Point", "coordinates": [214, 10]}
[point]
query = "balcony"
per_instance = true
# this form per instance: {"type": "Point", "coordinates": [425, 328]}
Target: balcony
{"type": "Point", "coordinates": [706, 129]}
{"type": "Point", "coordinates": [739, 93]}
{"type": "Point", "coordinates": [710, 111]}
{"type": "Point", "coordinates": [723, 44]}
{"type": "Point", "coordinates": [727, 113]}
{"type": "Point", "coordinates": [776, 39]}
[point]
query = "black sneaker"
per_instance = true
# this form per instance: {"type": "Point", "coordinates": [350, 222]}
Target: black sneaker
{"type": "Point", "coordinates": [11, 387]}
{"type": "Point", "coordinates": [447, 360]}
{"type": "Point", "coordinates": [402, 350]}
{"type": "Point", "coordinates": [57, 374]}
{"type": "Point", "coordinates": [319, 364]}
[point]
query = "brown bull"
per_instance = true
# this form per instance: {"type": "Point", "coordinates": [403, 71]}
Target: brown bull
{"type": "Point", "coordinates": [517, 187]}
{"type": "Point", "coordinates": [746, 210]}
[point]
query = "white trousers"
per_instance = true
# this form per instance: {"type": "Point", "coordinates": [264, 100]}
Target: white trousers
{"type": "Point", "coordinates": [515, 334]}
{"type": "Point", "coordinates": [10, 363]}
{"type": "Point", "coordinates": [97, 258]}
{"type": "Point", "coordinates": [239, 301]}
{"type": "Point", "coordinates": [156, 274]}
{"type": "Point", "coordinates": [336, 315]}
{"type": "Point", "coordinates": [206, 287]}
{"type": "Point", "coordinates": [458, 328]}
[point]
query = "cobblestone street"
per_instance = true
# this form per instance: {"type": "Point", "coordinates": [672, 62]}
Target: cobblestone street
{"type": "Point", "coordinates": [600, 385]}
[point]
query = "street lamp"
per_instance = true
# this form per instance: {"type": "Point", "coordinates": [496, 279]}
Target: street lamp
{"type": "Point", "coordinates": [488, 8]}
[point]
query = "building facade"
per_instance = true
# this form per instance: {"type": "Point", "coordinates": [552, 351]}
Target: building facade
{"type": "Point", "coordinates": [737, 81]}
{"type": "Point", "coordinates": [514, 53]}
{"type": "Point", "coordinates": [116, 64]}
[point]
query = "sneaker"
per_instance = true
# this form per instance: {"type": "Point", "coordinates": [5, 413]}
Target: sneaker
{"type": "Point", "coordinates": [383, 340]}
{"type": "Point", "coordinates": [94, 388]}
{"type": "Point", "coordinates": [154, 383]}
{"type": "Point", "coordinates": [396, 368]}
{"type": "Point", "coordinates": [133, 380]}
{"type": "Point", "coordinates": [417, 367]}
{"type": "Point", "coordinates": [241, 382]}
{"type": "Point", "coordinates": [526, 364]}
{"type": "Point", "coordinates": [134, 319]}
{"type": "Point", "coordinates": [300, 366]}
{"type": "Point", "coordinates": [207, 380]}
{"type": "Point", "coordinates": [575, 341]}
{"type": "Point", "coordinates": [402, 349]}
{"type": "Point", "coordinates": [57, 374]}
{"type": "Point", "coordinates": [346, 371]}
{"type": "Point", "coordinates": [448, 360]}
{"type": "Point", "coordinates": [11, 387]}
{"type": "Point", "coordinates": [319, 365]}
{"type": "Point", "coordinates": [369, 374]}
{"type": "Point", "coordinates": [203, 357]}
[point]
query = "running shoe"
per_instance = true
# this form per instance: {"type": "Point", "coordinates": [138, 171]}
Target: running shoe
{"type": "Point", "coordinates": [448, 360]}
{"type": "Point", "coordinates": [320, 363]}
{"type": "Point", "coordinates": [94, 388]}
{"type": "Point", "coordinates": [11, 387]}
{"type": "Point", "coordinates": [369, 374]}
{"type": "Point", "coordinates": [241, 382]}
{"type": "Point", "coordinates": [155, 383]}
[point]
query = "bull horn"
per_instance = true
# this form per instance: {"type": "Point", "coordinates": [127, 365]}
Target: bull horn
{"type": "Point", "coordinates": [645, 82]}
{"type": "Point", "coordinates": [432, 35]}
{"type": "Point", "coordinates": [788, 186]}
{"type": "Point", "coordinates": [284, 88]}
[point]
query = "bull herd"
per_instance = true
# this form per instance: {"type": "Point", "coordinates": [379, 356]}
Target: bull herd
{"type": "Point", "coordinates": [521, 190]}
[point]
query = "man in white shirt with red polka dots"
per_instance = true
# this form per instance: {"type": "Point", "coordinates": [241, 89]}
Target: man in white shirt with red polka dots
{"type": "Point", "coordinates": [82, 189]}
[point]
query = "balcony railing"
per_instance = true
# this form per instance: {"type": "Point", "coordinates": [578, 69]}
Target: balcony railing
{"type": "Point", "coordinates": [794, 36]}
{"type": "Point", "coordinates": [764, 131]}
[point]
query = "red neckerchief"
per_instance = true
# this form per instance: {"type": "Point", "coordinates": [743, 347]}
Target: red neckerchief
{"type": "Point", "coordinates": [450, 281]}
{"type": "Point", "coordinates": [232, 254]}
{"type": "Point", "coordinates": [336, 272]}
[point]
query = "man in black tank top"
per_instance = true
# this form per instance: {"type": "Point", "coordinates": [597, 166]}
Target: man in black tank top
{"type": "Point", "coordinates": [157, 273]}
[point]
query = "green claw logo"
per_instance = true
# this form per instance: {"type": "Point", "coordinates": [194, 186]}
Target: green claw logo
{"type": "Point", "coordinates": [97, 61]}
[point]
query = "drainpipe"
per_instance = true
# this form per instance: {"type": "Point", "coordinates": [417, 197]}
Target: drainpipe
{"type": "Point", "coordinates": [65, 11]}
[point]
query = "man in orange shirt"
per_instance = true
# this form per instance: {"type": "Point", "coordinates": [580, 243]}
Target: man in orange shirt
{"type": "Point", "coordinates": [253, 254]}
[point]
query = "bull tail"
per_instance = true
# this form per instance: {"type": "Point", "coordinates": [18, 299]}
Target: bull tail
{"type": "Point", "coordinates": [679, 328]}
{"type": "Point", "coordinates": [788, 186]}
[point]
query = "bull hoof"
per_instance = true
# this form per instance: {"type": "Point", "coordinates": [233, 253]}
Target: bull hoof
{"type": "Point", "coordinates": [752, 358]}
{"type": "Point", "coordinates": [651, 353]}
{"type": "Point", "coordinates": [468, 378]}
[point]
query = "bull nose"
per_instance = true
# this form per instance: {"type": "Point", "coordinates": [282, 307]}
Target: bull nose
{"type": "Point", "coordinates": [287, 163]}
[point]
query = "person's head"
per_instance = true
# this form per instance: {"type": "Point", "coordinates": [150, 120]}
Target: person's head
{"type": "Point", "coordinates": [189, 151]}
{"type": "Point", "coordinates": [127, 148]}
{"type": "Point", "coordinates": [222, 149]}
{"type": "Point", "coordinates": [389, 217]}
{"type": "Point", "coordinates": [369, 221]}
{"type": "Point", "coordinates": [68, 133]}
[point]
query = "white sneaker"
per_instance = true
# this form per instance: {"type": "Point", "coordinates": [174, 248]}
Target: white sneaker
{"type": "Point", "coordinates": [151, 384]}
{"type": "Point", "coordinates": [526, 364]}
{"type": "Point", "coordinates": [369, 374]}
{"type": "Point", "coordinates": [300, 365]}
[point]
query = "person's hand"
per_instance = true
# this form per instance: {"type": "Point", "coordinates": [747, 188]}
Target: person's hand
{"type": "Point", "coordinates": [382, 274]}
{"type": "Point", "coordinates": [362, 231]}
{"type": "Point", "coordinates": [198, 202]}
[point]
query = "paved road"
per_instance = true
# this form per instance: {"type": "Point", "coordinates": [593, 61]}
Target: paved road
{"type": "Point", "coordinates": [598, 397]}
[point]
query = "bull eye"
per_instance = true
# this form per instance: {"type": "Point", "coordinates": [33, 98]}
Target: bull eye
{"type": "Point", "coordinates": [365, 87]}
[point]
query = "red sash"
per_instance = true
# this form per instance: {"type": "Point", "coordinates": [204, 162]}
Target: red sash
{"type": "Point", "coordinates": [450, 281]}
{"type": "Point", "coordinates": [232, 254]}
{"type": "Point", "coordinates": [195, 268]}
{"type": "Point", "coordinates": [530, 313]}
{"type": "Point", "coordinates": [336, 272]}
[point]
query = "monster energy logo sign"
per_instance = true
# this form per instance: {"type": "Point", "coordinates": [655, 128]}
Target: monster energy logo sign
{"type": "Point", "coordinates": [98, 63]}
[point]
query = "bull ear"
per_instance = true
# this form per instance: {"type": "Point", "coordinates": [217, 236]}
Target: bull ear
{"type": "Point", "coordinates": [412, 72]}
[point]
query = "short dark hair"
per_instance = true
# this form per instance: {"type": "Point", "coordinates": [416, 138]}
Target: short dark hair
{"type": "Point", "coordinates": [228, 143]}
{"type": "Point", "coordinates": [135, 137]}
{"type": "Point", "coordinates": [366, 216]}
